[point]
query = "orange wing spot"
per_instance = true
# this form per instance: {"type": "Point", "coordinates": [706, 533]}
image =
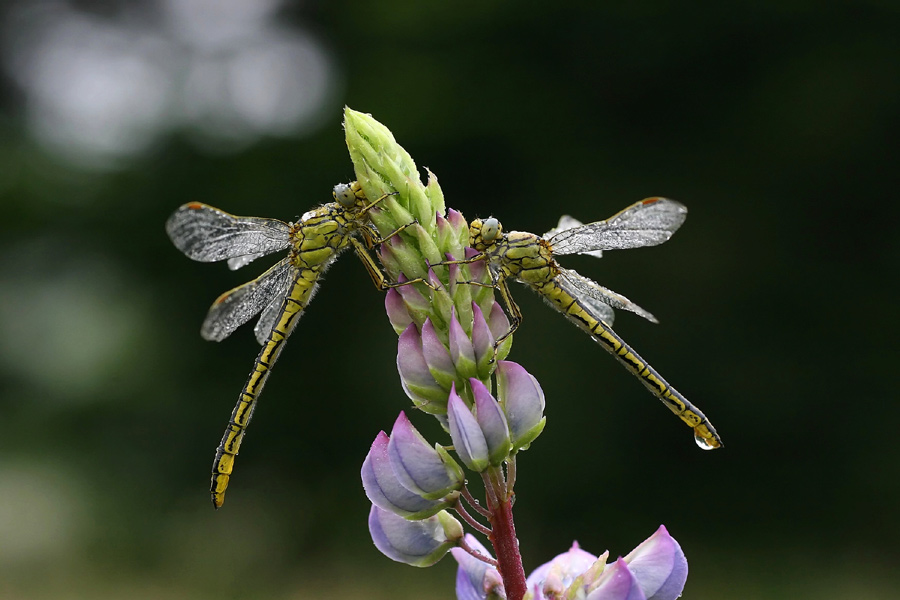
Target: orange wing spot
{"type": "Point", "coordinates": [195, 205]}
{"type": "Point", "coordinates": [222, 298]}
{"type": "Point", "coordinates": [651, 200]}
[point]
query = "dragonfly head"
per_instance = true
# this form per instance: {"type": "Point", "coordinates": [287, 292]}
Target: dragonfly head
{"type": "Point", "coordinates": [484, 233]}
{"type": "Point", "coordinates": [345, 194]}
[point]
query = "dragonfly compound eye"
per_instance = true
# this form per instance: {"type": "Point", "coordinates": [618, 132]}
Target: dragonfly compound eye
{"type": "Point", "coordinates": [344, 194]}
{"type": "Point", "coordinates": [491, 229]}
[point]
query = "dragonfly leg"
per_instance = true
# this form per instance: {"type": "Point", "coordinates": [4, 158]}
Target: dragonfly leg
{"type": "Point", "coordinates": [465, 261]}
{"type": "Point", "coordinates": [370, 235]}
{"type": "Point", "coordinates": [376, 274]}
{"type": "Point", "coordinates": [375, 203]}
{"type": "Point", "coordinates": [512, 309]}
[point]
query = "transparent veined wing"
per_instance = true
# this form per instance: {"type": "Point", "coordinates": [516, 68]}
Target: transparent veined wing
{"type": "Point", "coordinates": [582, 288]}
{"type": "Point", "coordinates": [207, 234]}
{"type": "Point", "coordinates": [237, 306]}
{"type": "Point", "coordinates": [645, 223]}
{"type": "Point", "coordinates": [569, 222]}
{"type": "Point", "coordinates": [271, 312]}
{"type": "Point", "coordinates": [239, 261]}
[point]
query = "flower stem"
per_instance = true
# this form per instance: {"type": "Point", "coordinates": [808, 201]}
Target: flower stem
{"type": "Point", "coordinates": [474, 503]}
{"type": "Point", "coordinates": [461, 510]}
{"type": "Point", "coordinates": [476, 553]}
{"type": "Point", "coordinates": [506, 548]}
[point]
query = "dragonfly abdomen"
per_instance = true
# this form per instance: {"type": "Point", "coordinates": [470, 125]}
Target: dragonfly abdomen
{"type": "Point", "coordinates": [583, 316]}
{"type": "Point", "coordinates": [291, 308]}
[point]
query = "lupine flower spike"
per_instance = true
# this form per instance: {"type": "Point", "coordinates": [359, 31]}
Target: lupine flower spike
{"type": "Point", "coordinates": [491, 409]}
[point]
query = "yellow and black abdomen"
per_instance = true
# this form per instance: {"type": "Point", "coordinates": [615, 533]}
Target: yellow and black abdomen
{"type": "Point", "coordinates": [291, 308]}
{"type": "Point", "coordinates": [584, 316]}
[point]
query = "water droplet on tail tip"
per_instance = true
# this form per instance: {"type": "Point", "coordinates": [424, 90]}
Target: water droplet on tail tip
{"type": "Point", "coordinates": [706, 444]}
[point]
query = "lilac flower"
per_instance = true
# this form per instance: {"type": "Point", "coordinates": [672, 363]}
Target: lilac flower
{"type": "Point", "coordinates": [659, 564]}
{"type": "Point", "coordinates": [554, 577]}
{"type": "Point", "coordinates": [522, 400]}
{"type": "Point", "coordinates": [415, 376]}
{"type": "Point", "coordinates": [655, 570]}
{"type": "Point", "coordinates": [418, 543]}
{"type": "Point", "coordinates": [492, 422]}
{"type": "Point", "coordinates": [385, 490]}
{"type": "Point", "coordinates": [425, 470]}
{"type": "Point", "coordinates": [468, 439]}
{"type": "Point", "coordinates": [617, 583]}
{"type": "Point", "coordinates": [475, 579]}
{"type": "Point", "coordinates": [437, 357]}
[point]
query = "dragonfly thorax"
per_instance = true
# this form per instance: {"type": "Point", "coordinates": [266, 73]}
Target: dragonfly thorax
{"type": "Point", "coordinates": [526, 257]}
{"type": "Point", "coordinates": [320, 235]}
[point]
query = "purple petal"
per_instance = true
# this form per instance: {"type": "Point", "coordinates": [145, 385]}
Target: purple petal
{"type": "Point", "coordinates": [468, 440]}
{"type": "Point", "coordinates": [474, 578]}
{"type": "Point", "coordinates": [497, 321]}
{"type": "Point", "coordinates": [560, 572]}
{"type": "Point", "coordinates": [443, 226]}
{"type": "Point", "coordinates": [384, 489]}
{"type": "Point", "coordinates": [492, 422]}
{"type": "Point", "coordinates": [477, 269]}
{"type": "Point", "coordinates": [523, 402]}
{"type": "Point", "coordinates": [419, 543]}
{"type": "Point", "coordinates": [482, 342]}
{"type": "Point", "coordinates": [457, 221]}
{"type": "Point", "coordinates": [417, 465]}
{"type": "Point", "coordinates": [617, 583]}
{"type": "Point", "coordinates": [396, 310]}
{"type": "Point", "coordinates": [659, 565]}
{"type": "Point", "coordinates": [434, 280]}
{"type": "Point", "coordinates": [417, 380]}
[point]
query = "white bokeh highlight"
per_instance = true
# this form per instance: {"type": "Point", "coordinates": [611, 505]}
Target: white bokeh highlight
{"type": "Point", "coordinates": [100, 91]}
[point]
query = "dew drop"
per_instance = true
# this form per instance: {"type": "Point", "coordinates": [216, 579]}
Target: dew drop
{"type": "Point", "coordinates": [704, 443]}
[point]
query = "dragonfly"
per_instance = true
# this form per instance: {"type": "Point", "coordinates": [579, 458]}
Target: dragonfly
{"type": "Point", "coordinates": [281, 294]}
{"type": "Point", "coordinates": [529, 259]}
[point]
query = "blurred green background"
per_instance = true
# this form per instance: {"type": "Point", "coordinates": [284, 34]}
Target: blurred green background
{"type": "Point", "coordinates": [776, 123]}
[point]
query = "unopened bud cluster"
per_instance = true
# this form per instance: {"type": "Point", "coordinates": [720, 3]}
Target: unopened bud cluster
{"type": "Point", "coordinates": [407, 478]}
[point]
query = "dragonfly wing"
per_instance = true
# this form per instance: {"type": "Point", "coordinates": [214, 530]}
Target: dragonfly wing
{"type": "Point", "coordinates": [271, 313]}
{"type": "Point", "coordinates": [601, 310]}
{"type": "Point", "coordinates": [240, 261]}
{"type": "Point", "coordinates": [582, 288]}
{"type": "Point", "coordinates": [207, 234]}
{"type": "Point", "coordinates": [235, 307]}
{"type": "Point", "coordinates": [645, 223]}
{"type": "Point", "coordinates": [569, 222]}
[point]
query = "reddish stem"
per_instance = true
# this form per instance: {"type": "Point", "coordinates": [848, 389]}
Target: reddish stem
{"type": "Point", "coordinates": [506, 549]}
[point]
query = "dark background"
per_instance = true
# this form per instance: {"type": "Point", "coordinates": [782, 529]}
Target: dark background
{"type": "Point", "coordinates": [774, 122]}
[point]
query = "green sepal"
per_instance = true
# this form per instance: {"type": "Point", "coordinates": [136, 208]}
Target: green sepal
{"type": "Point", "coordinates": [524, 440]}
{"type": "Point", "coordinates": [454, 469]}
{"type": "Point", "coordinates": [434, 194]}
{"type": "Point", "coordinates": [409, 260]}
{"type": "Point", "coordinates": [442, 304]}
{"type": "Point", "coordinates": [427, 245]}
{"type": "Point", "coordinates": [504, 348]}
